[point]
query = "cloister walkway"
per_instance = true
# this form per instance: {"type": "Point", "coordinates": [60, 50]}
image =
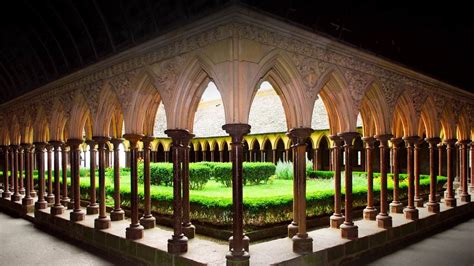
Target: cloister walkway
{"type": "Point", "coordinates": [24, 244]}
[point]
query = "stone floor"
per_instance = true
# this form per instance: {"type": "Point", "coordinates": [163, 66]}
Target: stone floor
{"type": "Point", "coordinates": [454, 246]}
{"type": "Point", "coordinates": [23, 244]}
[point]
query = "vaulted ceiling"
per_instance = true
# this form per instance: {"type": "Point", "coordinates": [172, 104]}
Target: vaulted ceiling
{"type": "Point", "coordinates": [41, 41]}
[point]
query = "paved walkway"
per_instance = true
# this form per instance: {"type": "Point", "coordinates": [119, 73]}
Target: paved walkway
{"type": "Point", "coordinates": [21, 243]}
{"type": "Point", "coordinates": [454, 246]}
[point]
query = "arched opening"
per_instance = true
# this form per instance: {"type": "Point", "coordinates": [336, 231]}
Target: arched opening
{"type": "Point", "coordinates": [267, 151]}
{"type": "Point", "coordinates": [280, 151]}
{"type": "Point", "coordinates": [246, 151]}
{"type": "Point", "coordinates": [256, 152]}
{"type": "Point", "coordinates": [358, 156]}
{"type": "Point", "coordinates": [160, 153]}
{"type": "Point", "coordinates": [324, 154]}
{"type": "Point", "coordinates": [225, 153]}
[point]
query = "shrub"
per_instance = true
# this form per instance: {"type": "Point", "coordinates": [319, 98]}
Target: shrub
{"type": "Point", "coordinates": [222, 173]}
{"type": "Point", "coordinates": [199, 175]}
{"type": "Point", "coordinates": [320, 174]}
{"type": "Point", "coordinates": [256, 173]}
{"type": "Point", "coordinates": [284, 170]}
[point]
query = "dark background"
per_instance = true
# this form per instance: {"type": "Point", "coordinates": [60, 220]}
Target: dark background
{"type": "Point", "coordinates": [43, 40]}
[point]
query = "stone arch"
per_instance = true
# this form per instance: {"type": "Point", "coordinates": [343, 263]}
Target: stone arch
{"type": "Point", "coordinates": [336, 97]}
{"type": "Point", "coordinates": [448, 123]}
{"type": "Point", "coordinates": [26, 128]}
{"type": "Point", "coordinates": [463, 129]}
{"type": "Point", "coordinates": [105, 124]}
{"type": "Point", "coordinates": [375, 112]}
{"type": "Point", "coordinates": [280, 72]}
{"type": "Point", "coordinates": [15, 133]}
{"type": "Point", "coordinates": [430, 118]}
{"type": "Point", "coordinates": [58, 121]}
{"type": "Point", "coordinates": [40, 126]}
{"type": "Point", "coordinates": [406, 114]}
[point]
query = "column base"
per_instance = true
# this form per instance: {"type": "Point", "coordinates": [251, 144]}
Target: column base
{"type": "Point", "coordinates": [102, 223]}
{"type": "Point", "coordinates": [237, 259]}
{"type": "Point", "coordinates": [148, 222]}
{"type": "Point", "coordinates": [349, 231]}
{"type": "Point", "coordinates": [92, 209]}
{"type": "Point", "coordinates": [245, 243]}
{"type": "Point", "coordinates": [41, 205]}
{"type": "Point", "coordinates": [177, 245]}
{"type": "Point", "coordinates": [292, 229]}
{"type": "Point", "coordinates": [471, 189]}
{"type": "Point", "coordinates": [419, 202]}
{"type": "Point", "coordinates": [117, 215]}
{"type": "Point", "coordinates": [370, 213]}
{"type": "Point", "coordinates": [302, 245]}
{"type": "Point", "coordinates": [411, 213]}
{"type": "Point", "coordinates": [15, 197]}
{"type": "Point", "coordinates": [465, 197]}
{"type": "Point", "coordinates": [50, 198]}
{"type": "Point", "coordinates": [336, 220]}
{"type": "Point", "coordinates": [22, 191]}
{"type": "Point", "coordinates": [6, 195]}
{"type": "Point", "coordinates": [134, 232]}
{"type": "Point", "coordinates": [27, 201]}
{"type": "Point", "coordinates": [76, 216]}
{"type": "Point", "coordinates": [57, 209]}
{"type": "Point", "coordinates": [70, 205]}
{"type": "Point", "coordinates": [189, 231]}
{"type": "Point", "coordinates": [384, 221]}
{"type": "Point", "coordinates": [450, 202]}
{"type": "Point", "coordinates": [433, 207]}
{"type": "Point", "coordinates": [33, 193]}
{"type": "Point", "coordinates": [65, 201]}
{"type": "Point", "coordinates": [396, 207]}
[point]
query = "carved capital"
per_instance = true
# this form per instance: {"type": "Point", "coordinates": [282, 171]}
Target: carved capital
{"type": "Point", "coordinates": [237, 131]}
{"type": "Point", "coordinates": [348, 137]}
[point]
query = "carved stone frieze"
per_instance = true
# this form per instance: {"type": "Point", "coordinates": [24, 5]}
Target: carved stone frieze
{"type": "Point", "coordinates": [358, 83]}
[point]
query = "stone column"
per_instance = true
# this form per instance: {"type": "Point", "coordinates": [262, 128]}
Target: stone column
{"type": "Point", "coordinates": [337, 218]}
{"type": "Point", "coordinates": [238, 255]}
{"type": "Point", "coordinates": [450, 200]}
{"type": "Point", "coordinates": [221, 156]}
{"type": "Point", "coordinates": [72, 160]}
{"type": "Point", "coordinates": [27, 201]}
{"type": "Point", "coordinates": [411, 213]}
{"type": "Point", "coordinates": [471, 187]}
{"type": "Point", "coordinates": [262, 156]}
{"type": "Point", "coordinates": [383, 219]}
{"type": "Point", "coordinates": [250, 155]}
{"type": "Point", "coordinates": [370, 212]}
{"type": "Point", "coordinates": [212, 156]}
{"type": "Point", "coordinates": [16, 193]}
{"type": "Point", "coordinates": [418, 199]}
{"type": "Point", "coordinates": [274, 156]}
{"type": "Point", "coordinates": [189, 230]}
{"type": "Point", "coordinates": [167, 157]}
{"type": "Point", "coordinates": [6, 187]}
{"type": "Point", "coordinates": [117, 213]}
{"type": "Point", "coordinates": [135, 230]}
{"type": "Point", "coordinates": [204, 157]}
{"type": "Point", "coordinates": [433, 205]}
{"type": "Point", "coordinates": [348, 228]}
{"type": "Point", "coordinates": [77, 214]}
{"type": "Point", "coordinates": [64, 157]}
{"type": "Point", "coordinates": [178, 242]}
{"type": "Point", "coordinates": [396, 206]}
{"type": "Point", "coordinates": [21, 163]}
{"type": "Point", "coordinates": [315, 159]}
{"type": "Point", "coordinates": [31, 153]}
{"type": "Point", "coordinates": [440, 158]}
{"type": "Point", "coordinates": [57, 208]}
{"type": "Point", "coordinates": [147, 220]}
{"type": "Point", "coordinates": [465, 197]}
{"type": "Point", "coordinates": [93, 207]}
{"type": "Point", "coordinates": [101, 222]}
{"type": "Point", "coordinates": [49, 156]}
{"type": "Point", "coordinates": [41, 203]}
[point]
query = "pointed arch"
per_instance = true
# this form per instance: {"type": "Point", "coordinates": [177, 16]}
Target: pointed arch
{"type": "Point", "coordinates": [406, 114]}
{"type": "Point", "coordinates": [79, 118]}
{"type": "Point", "coordinates": [374, 111]}
{"type": "Point", "coordinates": [430, 118]}
{"type": "Point", "coordinates": [15, 134]}
{"type": "Point", "coordinates": [26, 128]}
{"type": "Point", "coordinates": [463, 127]}
{"type": "Point", "coordinates": [40, 126]}
{"type": "Point", "coordinates": [448, 122]}
{"type": "Point", "coordinates": [58, 121]}
{"type": "Point", "coordinates": [105, 121]}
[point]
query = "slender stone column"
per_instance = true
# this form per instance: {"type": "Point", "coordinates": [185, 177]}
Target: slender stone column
{"type": "Point", "coordinates": [370, 212]}
{"type": "Point", "coordinates": [440, 158]}
{"type": "Point", "coordinates": [450, 200]}
{"type": "Point", "coordinates": [16, 193]}
{"type": "Point", "coordinates": [117, 213]}
{"type": "Point", "coordinates": [212, 156]}
{"type": "Point", "coordinates": [12, 169]}
{"type": "Point", "coordinates": [471, 187]}
{"type": "Point", "coordinates": [57, 208]}
{"type": "Point", "coordinates": [348, 228]}
{"type": "Point", "coordinates": [411, 213]}
{"type": "Point", "coordinates": [77, 214]}
{"type": "Point", "coordinates": [72, 155]}
{"type": "Point", "coordinates": [147, 220]}
{"type": "Point", "coordinates": [221, 156]}
{"type": "Point", "coordinates": [167, 157]}
{"type": "Point", "coordinates": [135, 230]}
{"type": "Point", "coordinates": [21, 162]}
{"type": "Point", "coordinates": [101, 222]}
{"type": "Point", "coordinates": [27, 201]}
{"type": "Point", "coordinates": [287, 155]}
{"type": "Point", "coordinates": [49, 156]}
{"type": "Point", "coordinates": [178, 242]}
{"type": "Point", "coordinates": [41, 203]}
{"type": "Point", "coordinates": [262, 156]}
{"type": "Point", "coordinates": [64, 155]}
{"type": "Point", "coordinates": [250, 155]}
{"type": "Point", "coordinates": [196, 156]}
{"type": "Point", "coordinates": [383, 219]}
{"type": "Point", "coordinates": [396, 206]}
{"type": "Point", "coordinates": [204, 156]}
{"type": "Point", "coordinates": [315, 159]}
{"type": "Point", "coordinates": [337, 218]}
{"type": "Point", "coordinates": [237, 255]}
{"type": "Point", "coordinates": [189, 230]}
{"type": "Point", "coordinates": [6, 187]}
{"type": "Point", "coordinates": [31, 153]}
{"type": "Point", "coordinates": [433, 205]}
{"type": "Point", "coordinates": [418, 199]}
{"type": "Point", "coordinates": [93, 207]}
{"type": "Point", "coordinates": [293, 226]}
{"type": "Point", "coordinates": [274, 156]}
{"type": "Point", "coordinates": [465, 197]}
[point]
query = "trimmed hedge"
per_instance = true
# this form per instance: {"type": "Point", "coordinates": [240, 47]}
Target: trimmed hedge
{"type": "Point", "coordinates": [254, 173]}
{"type": "Point", "coordinates": [319, 174]}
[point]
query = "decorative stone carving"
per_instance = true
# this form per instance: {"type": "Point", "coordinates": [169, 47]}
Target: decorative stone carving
{"type": "Point", "coordinates": [391, 90]}
{"type": "Point", "coordinates": [166, 74]}
{"type": "Point", "coordinates": [357, 83]}
{"type": "Point", "coordinates": [91, 93]}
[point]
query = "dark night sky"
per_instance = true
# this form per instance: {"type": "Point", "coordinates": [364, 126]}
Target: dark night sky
{"type": "Point", "coordinates": [41, 41]}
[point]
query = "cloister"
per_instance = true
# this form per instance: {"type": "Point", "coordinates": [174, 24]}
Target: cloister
{"type": "Point", "coordinates": [115, 102]}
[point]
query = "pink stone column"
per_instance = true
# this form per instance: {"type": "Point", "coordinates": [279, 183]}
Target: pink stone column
{"type": "Point", "coordinates": [433, 205]}
{"type": "Point", "coordinates": [396, 206]}
{"type": "Point", "coordinates": [6, 187]}
{"type": "Point", "coordinates": [41, 203]}
{"type": "Point", "coordinates": [450, 200]}
{"type": "Point", "coordinates": [57, 208]}
{"type": "Point", "coordinates": [336, 218]}
{"type": "Point", "coordinates": [370, 212]}
{"type": "Point", "coordinates": [465, 197]}
{"type": "Point", "coordinates": [410, 211]}
{"type": "Point", "coordinates": [383, 219]}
